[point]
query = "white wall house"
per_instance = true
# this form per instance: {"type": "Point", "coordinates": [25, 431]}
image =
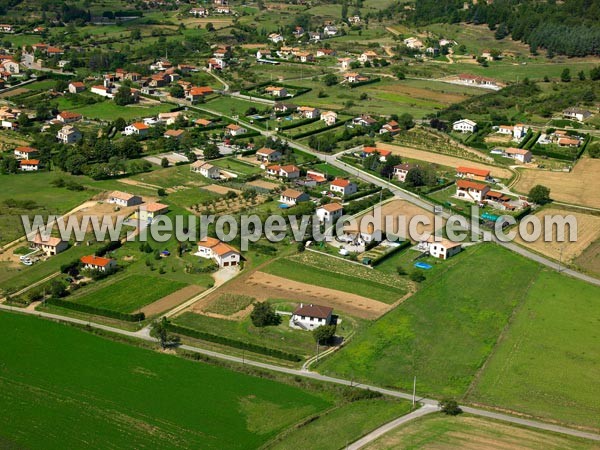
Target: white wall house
{"type": "Point", "coordinates": [124, 199]}
{"type": "Point", "coordinates": [309, 317]}
{"type": "Point", "coordinates": [205, 169]}
{"type": "Point", "coordinates": [224, 255]}
{"type": "Point", "coordinates": [464, 126]}
{"type": "Point", "coordinates": [330, 212]}
{"type": "Point", "coordinates": [50, 246]}
{"type": "Point", "coordinates": [292, 197]}
{"type": "Point", "coordinates": [471, 191]}
{"type": "Point", "coordinates": [343, 187]}
{"type": "Point", "coordinates": [442, 249]}
{"type": "Point", "coordinates": [68, 134]}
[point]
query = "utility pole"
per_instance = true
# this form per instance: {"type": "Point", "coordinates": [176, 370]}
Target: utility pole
{"type": "Point", "coordinates": [317, 360]}
{"type": "Point", "coordinates": [560, 259]}
{"type": "Point", "coordinates": [414, 391]}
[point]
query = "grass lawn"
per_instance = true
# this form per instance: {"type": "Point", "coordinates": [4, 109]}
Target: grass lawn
{"type": "Point", "coordinates": [328, 169]}
{"type": "Point", "coordinates": [109, 110]}
{"type": "Point", "coordinates": [232, 106]}
{"type": "Point", "coordinates": [444, 333]}
{"type": "Point", "coordinates": [321, 270]}
{"type": "Point", "coordinates": [342, 425]}
{"type": "Point", "coordinates": [547, 364]}
{"type": "Point", "coordinates": [240, 167]}
{"type": "Point", "coordinates": [115, 395]}
{"type": "Point", "coordinates": [228, 304]}
{"type": "Point", "coordinates": [472, 433]}
{"type": "Point", "coordinates": [128, 294]}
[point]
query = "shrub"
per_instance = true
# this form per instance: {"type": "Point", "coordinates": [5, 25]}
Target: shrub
{"type": "Point", "coordinates": [417, 276]}
{"type": "Point", "coordinates": [450, 407]}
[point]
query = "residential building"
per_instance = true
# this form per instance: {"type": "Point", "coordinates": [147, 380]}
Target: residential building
{"type": "Point", "coordinates": [309, 112]}
{"type": "Point", "coordinates": [288, 172]}
{"type": "Point", "coordinates": [124, 199]}
{"type": "Point", "coordinates": [197, 93]}
{"type": "Point", "coordinates": [369, 55]}
{"type": "Point", "coordinates": [568, 142]}
{"type": "Point", "coordinates": [174, 134]}
{"type": "Point", "coordinates": [330, 212]}
{"type": "Point", "coordinates": [472, 173]}
{"type": "Point", "coordinates": [364, 121]}
{"type": "Point", "coordinates": [169, 118]}
{"type": "Point", "coordinates": [354, 77]}
{"type": "Point", "coordinates": [345, 63]}
{"type": "Point", "coordinates": [50, 245]}
{"type": "Point", "coordinates": [267, 155]}
{"type": "Point", "coordinates": [305, 56]}
{"type": "Point", "coordinates": [75, 87]}
{"type": "Point", "coordinates": [309, 317]}
{"type": "Point", "coordinates": [292, 197]}
{"type": "Point", "coordinates": [203, 122]}
{"type": "Point", "coordinates": [401, 170]}
{"type": "Point", "coordinates": [521, 155]}
{"type": "Point", "coordinates": [329, 117]}
{"type": "Point", "coordinates": [383, 154]}
{"type": "Point", "coordinates": [151, 211]}
{"type": "Point", "coordinates": [330, 30]}
{"type": "Point", "coordinates": [391, 127]}
{"type": "Point", "coordinates": [137, 129]}
{"type": "Point", "coordinates": [29, 165]}
{"type": "Point", "coordinates": [275, 38]}
{"type": "Point", "coordinates": [343, 187]}
{"type": "Point", "coordinates": [464, 126]}
{"type": "Point", "coordinates": [284, 107]}
{"type": "Point", "coordinates": [205, 169]}
{"type": "Point", "coordinates": [325, 52]}
{"type": "Point", "coordinates": [199, 12]}
{"type": "Point", "coordinates": [93, 262]}
{"type": "Point", "coordinates": [223, 254]}
{"type": "Point", "coordinates": [68, 117]}
{"type": "Point", "coordinates": [69, 134]}
{"type": "Point", "coordinates": [442, 249]}
{"type": "Point", "coordinates": [26, 153]}
{"type": "Point", "coordinates": [276, 91]}
{"type": "Point", "coordinates": [576, 113]}
{"type": "Point", "coordinates": [414, 43]}
{"type": "Point", "coordinates": [235, 130]}
{"type": "Point", "coordinates": [471, 191]}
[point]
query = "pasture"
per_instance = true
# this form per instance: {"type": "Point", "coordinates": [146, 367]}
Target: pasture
{"type": "Point", "coordinates": [115, 395]}
{"type": "Point", "coordinates": [444, 332]}
{"type": "Point", "coordinates": [546, 364]}
{"type": "Point", "coordinates": [566, 186]}
{"type": "Point", "coordinates": [473, 433]}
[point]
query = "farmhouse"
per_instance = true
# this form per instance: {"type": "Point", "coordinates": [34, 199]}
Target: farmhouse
{"type": "Point", "coordinates": [197, 93]}
{"type": "Point", "coordinates": [224, 255]}
{"type": "Point", "coordinates": [235, 130]}
{"type": "Point", "coordinates": [124, 199]}
{"type": "Point", "coordinates": [383, 154]}
{"type": "Point", "coordinates": [26, 152]}
{"type": "Point", "coordinates": [50, 245]}
{"type": "Point", "coordinates": [276, 91]}
{"type": "Point", "coordinates": [268, 155]}
{"type": "Point", "coordinates": [329, 117]}
{"type": "Point", "coordinates": [343, 186]}
{"type": "Point", "coordinates": [401, 170]}
{"type": "Point", "coordinates": [75, 87]}
{"type": "Point", "coordinates": [93, 262]}
{"type": "Point", "coordinates": [391, 127]}
{"type": "Point", "coordinates": [205, 169]}
{"type": "Point", "coordinates": [151, 211]}
{"type": "Point", "coordinates": [576, 113]}
{"type": "Point", "coordinates": [136, 129]}
{"type": "Point", "coordinates": [308, 112]}
{"type": "Point", "coordinates": [522, 155]}
{"type": "Point", "coordinates": [69, 134]}
{"type": "Point", "coordinates": [292, 197]}
{"type": "Point", "coordinates": [330, 212]}
{"type": "Point", "coordinates": [199, 12]}
{"type": "Point", "coordinates": [467, 78]}
{"type": "Point", "coordinates": [472, 173]}
{"type": "Point", "coordinates": [464, 126]}
{"type": "Point", "coordinates": [471, 191]}
{"type": "Point", "coordinates": [443, 249]}
{"type": "Point", "coordinates": [309, 317]}
{"type": "Point", "coordinates": [29, 165]}
{"type": "Point", "coordinates": [68, 117]}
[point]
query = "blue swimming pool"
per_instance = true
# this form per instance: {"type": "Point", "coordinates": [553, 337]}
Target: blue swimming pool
{"type": "Point", "coordinates": [422, 265]}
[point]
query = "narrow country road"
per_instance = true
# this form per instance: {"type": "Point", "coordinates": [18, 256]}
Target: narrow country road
{"type": "Point", "coordinates": [144, 335]}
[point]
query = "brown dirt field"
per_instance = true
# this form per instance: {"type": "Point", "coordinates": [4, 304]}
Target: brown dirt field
{"type": "Point", "coordinates": [588, 231]}
{"type": "Point", "coordinates": [444, 160]}
{"type": "Point", "coordinates": [171, 300]}
{"type": "Point", "coordinates": [9, 142]}
{"type": "Point", "coordinates": [220, 189]}
{"type": "Point", "coordinates": [581, 186]}
{"type": "Point", "coordinates": [263, 184]}
{"type": "Point", "coordinates": [498, 138]}
{"type": "Point", "coordinates": [104, 209]}
{"type": "Point", "coordinates": [397, 208]}
{"type": "Point", "coordinates": [425, 94]}
{"type": "Point", "coordinates": [263, 286]}
{"type": "Point", "coordinates": [589, 259]}
{"type": "Point", "coordinates": [16, 91]}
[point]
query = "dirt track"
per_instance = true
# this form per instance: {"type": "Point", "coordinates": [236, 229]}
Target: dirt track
{"type": "Point", "coordinates": [445, 160]}
{"type": "Point", "coordinates": [171, 300]}
{"type": "Point", "coordinates": [263, 286]}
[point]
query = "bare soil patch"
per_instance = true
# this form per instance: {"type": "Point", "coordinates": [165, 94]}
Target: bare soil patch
{"type": "Point", "coordinates": [444, 160]}
{"type": "Point", "coordinates": [426, 94]}
{"type": "Point", "coordinates": [13, 92]}
{"type": "Point", "coordinates": [263, 184]}
{"type": "Point", "coordinates": [581, 186]}
{"type": "Point", "coordinates": [218, 189]}
{"type": "Point", "coordinates": [171, 300]}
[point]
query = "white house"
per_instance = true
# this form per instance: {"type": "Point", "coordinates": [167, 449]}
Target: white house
{"type": "Point", "coordinates": [343, 186]}
{"type": "Point", "coordinates": [309, 112]}
{"type": "Point", "coordinates": [26, 152]}
{"type": "Point", "coordinates": [471, 191]}
{"type": "Point", "coordinates": [329, 117]}
{"type": "Point", "coordinates": [29, 165]}
{"type": "Point", "coordinates": [413, 43]}
{"type": "Point", "coordinates": [576, 113]}
{"type": "Point", "coordinates": [401, 170]}
{"type": "Point", "coordinates": [50, 245]}
{"type": "Point", "coordinates": [330, 30]}
{"type": "Point", "coordinates": [276, 91]}
{"type": "Point", "coordinates": [292, 197]}
{"type": "Point", "coordinates": [464, 126]}
{"type": "Point", "coordinates": [442, 249]}
{"type": "Point", "coordinates": [199, 12]}
{"type": "Point", "coordinates": [205, 169]}
{"type": "Point", "coordinates": [151, 211]}
{"type": "Point", "coordinates": [309, 317]}
{"type": "Point", "coordinates": [124, 199]}
{"type": "Point", "coordinates": [93, 262]}
{"type": "Point", "coordinates": [136, 129]}
{"type": "Point", "coordinates": [330, 212]}
{"type": "Point", "coordinates": [235, 130]}
{"type": "Point", "coordinates": [69, 134]}
{"type": "Point", "coordinates": [288, 171]}
{"type": "Point", "coordinates": [369, 55]}
{"type": "Point", "coordinates": [275, 38]}
{"type": "Point", "coordinates": [268, 155]}
{"type": "Point", "coordinates": [76, 87]}
{"type": "Point", "coordinates": [521, 155]}
{"type": "Point", "coordinates": [223, 254]}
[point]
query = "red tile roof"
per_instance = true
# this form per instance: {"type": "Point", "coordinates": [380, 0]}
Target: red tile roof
{"type": "Point", "coordinates": [474, 171]}
{"type": "Point", "coordinates": [94, 260]}
{"type": "Point", "coordinates": [466, 184]}
{"type": "Point", "coordinates": [341, 182]}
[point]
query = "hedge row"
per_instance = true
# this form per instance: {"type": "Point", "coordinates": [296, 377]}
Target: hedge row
{"type": "Point", "coordinates": [362, 193]}
{"type": "Point", "coordinates": [551, 154]}
{"type": "Point", "coordinates": [233, 343]}
{"type": "Point", "coordinates": [385, 256]}
{"type": "Point", "coordinates": [245, 136]}
{"type": "Point", "coordinates": [318, 130]}
{"type": "Point", "coordinates": [137, 317]}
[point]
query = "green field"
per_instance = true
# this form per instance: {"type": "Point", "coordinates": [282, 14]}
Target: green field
{"type": "Point", "coordinates": [73, 389]}
{"type": "Point", "coordinates": [128, 294]}
{"type": "Point", "coordinates": [109, 110]}
{"type": "Point", "coordinates": [240, 167]}
{"type": "Point", "coordinates": [321, 270]}
{"type": "Point", "coordinates": [547, 364]}
{"type": "Point", "coordinates": [330, 170]}
{"type": "Point", "coordinates": [471, 433]}
{"type": "Point", "coordinates": [443, 333]}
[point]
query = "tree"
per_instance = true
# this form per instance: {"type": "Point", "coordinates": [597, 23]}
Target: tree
{"type": "Point", "coordinates": [123, 96]}
{"type": "Point", "coordinates": [211, 151]}
{"type": "Point", "coordinates": [406, 121]}
{"type": "Point", "coordinates": [61, 85]}
{"type": "Point", "coordinates": [400, 270]}
{"type": "Point", "coordinates": [565, 76]}
{"type": "Point", "coordinates": [264, 315]}
{"type": "Point", "coordinates": [136, 34]}
{"type": "Point", "coordinates": [417, 276]}
{"type": "Point", "coordinates": [177, 91]}
{"type": "Point", "coordinates": [581, 75]}
{"type": "Point", "coordinates": [324, 334]}
{"type": "Point", "coordinates": [330, 79]}
{"type": "Point", "coordinates": [164, 162]}
{"type": "Point", "coordinates": [539, 194]}
{"type": "Point", "coordinates": [594, 150]}
{"type": "Point", "coordinates": [595, 73]}
{"type": "Point", "coordinates": [450, 407]}
{"type": "Point", "coordinates": [501, 32]}
{"type": "Point", "coordinates": [160, 331]}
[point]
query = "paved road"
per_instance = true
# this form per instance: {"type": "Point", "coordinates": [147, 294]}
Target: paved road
{"type": "Point", "coordinates": [144, 335]}
{"type": "Point", "coordinates": [377, 433]}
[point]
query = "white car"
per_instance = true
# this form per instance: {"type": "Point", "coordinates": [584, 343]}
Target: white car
{"type": "Point", "coordinates": [27, 262]}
